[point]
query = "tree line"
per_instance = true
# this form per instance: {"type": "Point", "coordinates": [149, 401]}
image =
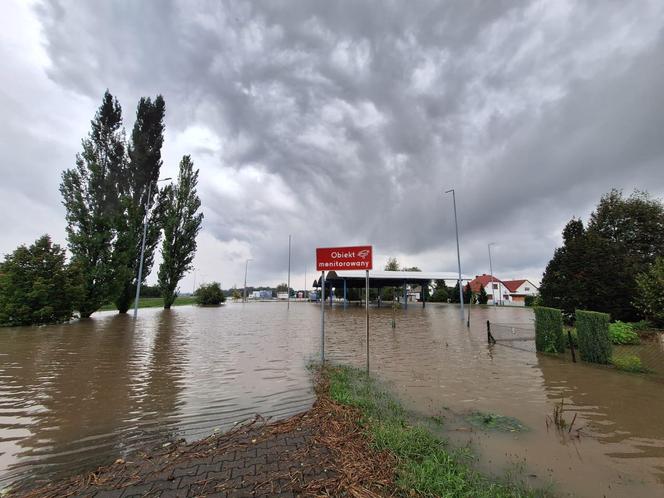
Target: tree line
{"type": "Point", "coordinates": [614, 263]}
{"type": "Point", "coordinates": [114, 205]}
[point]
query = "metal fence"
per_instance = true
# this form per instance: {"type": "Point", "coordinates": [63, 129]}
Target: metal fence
{"type": "Point", "coordinates": [516, 336]}
{"type": "Point", "coordinates": [644, 352]}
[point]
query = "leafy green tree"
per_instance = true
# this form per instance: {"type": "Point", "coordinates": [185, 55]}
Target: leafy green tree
{"type": "Point", "coordinates": [282, 287]}
{"type": "Point", "coordinates": [596, 268]}
{"type": "Point", "coordinates": [564, 284]}
{"type": "Point", "coordinates": [181, 223]}
{"type": "Point", "coordinates": [454, 296]}
{"type": "Point", "coordinates": [210, 294]}
{"type": "Point", "coordinates": [36, 286]}
{"type": "Point", "coordinates": [392, 265]}
{"type": "Point", "coordinates": [482, 296]}
{"type": "Point", "coordinates": [650, 292]}
{"type": "Point", "coordinates": [440, 293]}
{"type": "Point", "coordinates": [412, 268]}
{"type": "Point", "coordinates": [140, 180]}
{"type": "Point", "coordinates": [90, 197]}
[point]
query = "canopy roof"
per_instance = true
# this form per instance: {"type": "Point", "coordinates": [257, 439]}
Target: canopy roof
{"type": "Point", "coordinates": [379, 278]}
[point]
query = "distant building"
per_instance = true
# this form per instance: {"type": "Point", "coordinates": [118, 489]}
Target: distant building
{"type": "Point", "coordinates": [282, 295]}
{"type": "Point", "coordinates": [519, 289]}
{"type": "Point", "coordinates": [261, 294]}
{"type": "Point", "coordinates": [505, 292]}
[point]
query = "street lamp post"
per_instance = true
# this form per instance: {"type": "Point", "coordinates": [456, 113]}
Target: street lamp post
{"type": "Point", "coordinates": [246, 266]}
{"type": "Point", "coordinates": [456, 228]}
{"type": "Point", "coordinates": [140, 261]}
{"type": "Point", "coordinates": [493, 296]}
{"type": "Point", "coordinates": [288, 284]}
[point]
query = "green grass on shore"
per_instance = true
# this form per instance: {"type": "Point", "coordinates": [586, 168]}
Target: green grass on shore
{"type": "Point", "coordinates": [426, 465]}
{"type": "Point", "coordinates": [153, 302]}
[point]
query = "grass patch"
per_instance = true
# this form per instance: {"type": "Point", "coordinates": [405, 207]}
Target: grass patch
{"type": "Point", "coordinates": [425, 464]}
{"type": "Point", "coordinates": [153, 302]}
{"type": "Point", "coordinates": [495, 422]}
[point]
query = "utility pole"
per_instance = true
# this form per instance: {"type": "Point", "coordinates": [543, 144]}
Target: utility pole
{"type": "Point", "coordinates": [456, 227]}
{"type": "Point", "coordinates": [288, 285]}
{"type": "Point", "coordinates": [145, 232]}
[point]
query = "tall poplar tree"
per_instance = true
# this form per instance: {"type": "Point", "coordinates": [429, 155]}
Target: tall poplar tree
{"type": "Point", "coordinates": [147, 138]}
{"type": "Point", "coordinates": [181, 224]}
{"type": "Point", "coordinates": [90, 197]}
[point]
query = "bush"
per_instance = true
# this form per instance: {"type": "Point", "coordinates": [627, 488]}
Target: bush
{"type": "Point", "coordinates": [623, 333]}
{"type": "Point", "coordinates": [530, 301]}
{"type": "Point", "coordinates": [549, 336]}
{"type": "Point", "coordinates": [36, 286]}
{"type": "Point", "coordinates": [642, 325]}
{"type": "Point", "coordinates": [593, 336]}
{"type": "Point", "coordinates": [629, 363]}
{"type": "Point", "coordinates": [649, 295]}
{"type": "Point", "coordinates": [209, 294]}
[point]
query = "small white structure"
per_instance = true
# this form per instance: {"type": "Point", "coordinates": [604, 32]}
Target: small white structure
{"type": "Point", "coordinates": [282, 295]}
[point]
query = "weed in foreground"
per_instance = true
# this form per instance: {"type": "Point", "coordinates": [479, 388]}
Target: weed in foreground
{"type": "Point", "coordinates": [426, 465]}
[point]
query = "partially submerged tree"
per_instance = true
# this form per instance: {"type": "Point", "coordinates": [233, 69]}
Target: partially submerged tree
{"type": "Point", "coordinates": [209, 294]}
{"type": "Point", "coordinates": [138, 192]}
{"type": "Point", "coordinates": [440, 293]}
{"type": "Point", "coordinates": [90, 196]}
{"type": "Point", "coordinates": [36, 286]}
{"type": "Point", "coordinates": [181, 223]}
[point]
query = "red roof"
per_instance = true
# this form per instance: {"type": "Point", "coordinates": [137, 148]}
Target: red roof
{"type": "Point", "coordinates": [513, 285]}
{"type": "Point", "coordinates": [483, 281]}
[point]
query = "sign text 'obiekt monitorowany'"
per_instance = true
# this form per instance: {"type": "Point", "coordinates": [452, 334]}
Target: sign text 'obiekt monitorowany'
{"type": "Point", "coordinates": [344, 258]}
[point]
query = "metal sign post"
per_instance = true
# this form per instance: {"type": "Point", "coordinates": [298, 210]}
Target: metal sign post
{"type": "Point", "coordinates": [342, 258]}
{"type": "Point", "coordinates": [367, 308]}
{"type": "Point", "coordinates": [322, 317]}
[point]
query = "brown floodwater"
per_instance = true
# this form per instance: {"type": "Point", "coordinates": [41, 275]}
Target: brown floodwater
{"type": "Point", "coordinates": [78, 395]}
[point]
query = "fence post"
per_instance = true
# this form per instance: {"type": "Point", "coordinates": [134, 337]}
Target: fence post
{"type": "Point", "coordinates": [489, 337]}
{"type": "Point", "coordinates": [571, 345]}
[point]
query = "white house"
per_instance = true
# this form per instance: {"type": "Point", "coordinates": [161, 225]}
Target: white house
{"type": "Point", "coordinates": [519, 289]}
{"type": "Point", "coordinates": [506, 292]}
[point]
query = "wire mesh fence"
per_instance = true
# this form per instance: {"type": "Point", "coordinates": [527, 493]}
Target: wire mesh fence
{"type": "Point", "coordinates": [644, 354]}
{"type": "Point", "coordinates": [639, 351]}
{"type": "Point", "coordinates": [516, 336]}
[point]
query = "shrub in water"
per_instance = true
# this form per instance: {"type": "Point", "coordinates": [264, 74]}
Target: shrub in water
{"type": "Point", "coordinates": [629, 363]}
{"type": "Point", "coordinates": [210, 294]}
{"type": "Point", "coordinates": [623, 333]}
{"type": "Point", "coordinates": [549, 336]}
{"type": "Point", "coordinates": [593, 335]}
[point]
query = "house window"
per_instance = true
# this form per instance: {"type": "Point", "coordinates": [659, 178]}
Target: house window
{"type": "Point", "coordinates": [526, 289]}
{"type": "Point", "coordinates": [495, 286]}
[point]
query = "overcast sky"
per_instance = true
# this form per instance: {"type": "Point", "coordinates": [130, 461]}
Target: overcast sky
{"type": "Point", "coordinates": [344, 122]}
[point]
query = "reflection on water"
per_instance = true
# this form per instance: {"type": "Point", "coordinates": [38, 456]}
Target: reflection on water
{"type": "Point", "coordinates": [88, 392]}
{"type": "Point", "coordinates": [82, 394]}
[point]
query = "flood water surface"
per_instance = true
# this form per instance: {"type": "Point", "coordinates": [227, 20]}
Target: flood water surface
{"type": "Point", "coordinates": [82, 394]}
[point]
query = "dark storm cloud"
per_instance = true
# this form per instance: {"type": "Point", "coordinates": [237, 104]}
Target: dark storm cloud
{"type": "Point", "coordinates": [344, 122]}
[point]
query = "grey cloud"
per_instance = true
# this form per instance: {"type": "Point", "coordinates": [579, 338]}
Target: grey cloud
{"type": "Point", "coordinates": [363, 113]}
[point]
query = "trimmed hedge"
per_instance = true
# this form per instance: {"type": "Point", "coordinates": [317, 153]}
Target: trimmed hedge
{"type": "Point", "coordinates": [549, 336]}
{"type": "Point", "coordinates": [594, 340]}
